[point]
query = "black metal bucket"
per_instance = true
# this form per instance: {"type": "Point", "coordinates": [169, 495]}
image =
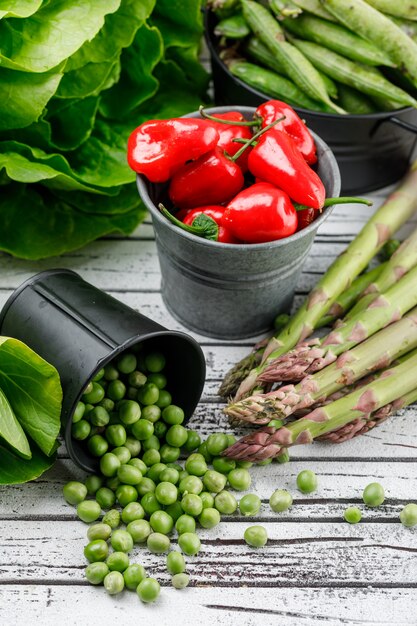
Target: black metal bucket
{"type": "Point", "coordinates": [372, 150]}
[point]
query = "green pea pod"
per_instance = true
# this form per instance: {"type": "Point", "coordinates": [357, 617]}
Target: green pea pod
{"type": "Point", "coordinates": [233, 27]}
{"type": "Point", "coordinates": [315, 7]}
{"type": "Point", "coordinates": [337, 38]}
{"type": "Point", "coordinates": [259, 52]}
{"type": "Point", "coordinates": [406, 9]}
{"type": "Point", "coordinates": [274, 85]}
{"type": "Point", "coordinates": [354, 101]}
{"type": "Point", "coordinates": [296, 65]}
{"type": "Point", "coordinates": [366, 79]}
{"type": "Point", "coordinates": [366, 21]}
{"type": "Point", "coordinates": [223, 8]}
{"type": "Point", "coordinates": [284, 8]}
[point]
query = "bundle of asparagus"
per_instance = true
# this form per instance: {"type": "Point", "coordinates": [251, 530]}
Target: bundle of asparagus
{"type": "Point", "coordinates": [378, 331]}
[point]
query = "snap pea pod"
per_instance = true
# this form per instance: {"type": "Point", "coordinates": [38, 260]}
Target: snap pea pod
{"type": "Point", "coordinates": [406, 9]}
{"type": "Point", "coordinates": [296, 66]}
{"type": "Point", "coordinates": [273, 85]}
{"type": "Point", "coordinates": [315, 7]}
{"type": "Point", "coordinates": [354, 101]}
{"type": "Point", "coordinates": [366, 21]}
{"type": "Point", "coordinates": [233, 27]}
{"type": "Point", "coordinates": [337, 38]}
{"type": "Point", "coordinates": [259, 52]}
{"type": "Point", "coordinates": [223, 8]}
{"type": "Point", "coordinates": [369, 80]}
{"type": "Point", "coordinates": [284, 8]}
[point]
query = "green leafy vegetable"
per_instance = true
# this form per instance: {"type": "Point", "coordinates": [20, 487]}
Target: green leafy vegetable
{"type": "Point", "coordinates": [75, 80]}
{"type": "Point", "coordinates": [10, 429]}
{"type": "Point", "coordinates": [14, 470]}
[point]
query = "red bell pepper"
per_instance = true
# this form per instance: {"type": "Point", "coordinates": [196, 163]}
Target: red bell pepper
{"type": "Point", "coordinates": [292, 124]}
{"type": "Point", "coordinates": [277, 160]}
{"type": "Point", "coordinates": [306, 217]}
{"type": "Point", "coordinates": [216, 213]}
{"type": "Point", "coordinates": [158, 148]}
{"type": "Point", "coordinates": [212, 179]}
{"type": "Point", "coordinates": [229, 132]}
{"type": "Point", "coordinates": [205, 222]}
{"type": "Point", "coordinates": [260, 213]}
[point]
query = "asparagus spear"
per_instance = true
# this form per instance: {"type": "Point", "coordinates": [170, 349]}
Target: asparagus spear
{"type": "Point", "coordinates": [401, 262]}
{"type": "Point", "coordinates": [373, 354]}
{"type": "Point", "coordinates": [394, 384]}
{"type": "Point", "coordinates": [395, 211]}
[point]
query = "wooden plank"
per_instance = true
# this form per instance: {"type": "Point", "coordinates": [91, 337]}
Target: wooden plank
{"type": "Point", "coordinates": [308, 554]}
{"type": "Point", "coordinates": [49, 605]}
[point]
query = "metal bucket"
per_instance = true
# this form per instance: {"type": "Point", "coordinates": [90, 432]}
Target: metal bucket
{"type": "Point", "coordinates": [372, 150]}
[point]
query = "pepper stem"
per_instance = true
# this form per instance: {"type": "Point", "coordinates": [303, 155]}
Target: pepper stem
{"type": "Point", "coordinates": [254, 138]}
{"type": "Point", "coordinates": [209, 229]}
{"type": "Point", "coordinates": [331, 201]}
{"type": "Point", "coordinates": [213, 118]}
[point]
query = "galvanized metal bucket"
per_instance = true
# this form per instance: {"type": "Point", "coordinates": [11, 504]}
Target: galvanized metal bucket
{"type": "Point", "coordinates": [232, 291]}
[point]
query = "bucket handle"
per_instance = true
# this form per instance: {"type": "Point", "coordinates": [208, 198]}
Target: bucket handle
{"type": "Point", "coordinates": [406, 125]}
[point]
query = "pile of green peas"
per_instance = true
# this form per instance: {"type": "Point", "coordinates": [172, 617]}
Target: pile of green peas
{"type": "Point", "coordinates": [128, 422]}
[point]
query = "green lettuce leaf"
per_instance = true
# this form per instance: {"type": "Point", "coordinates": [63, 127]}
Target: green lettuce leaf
{"type": "Point", "coordinates": [33, 389]}
{"type": "Point", "coordinates": [90, 79]}
{"type": "Point", "coordinates": [11, 431]}
{"type": "Point", "coordinates": [18, 8]}
{"type": "Point", "coordinates": [15, 470]}
{"type": "Point", "coordinates": [71, 121]}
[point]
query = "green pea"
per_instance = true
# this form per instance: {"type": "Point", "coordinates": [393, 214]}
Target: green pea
{"type": "Point", "coordinates": [88, 388]}
{"type": "Point", "coordinates": [116, 390]}
{"type": "Point", "coordinates": [176, 436]}
{"type": "Point", "coordinates": [93, 483]}
{"type": "Point", "coordinates": [408, 515]}
{"type": "Point", "coordinates": [307, 481]}
{"type": "Point", "coordinates": [216, 443]}
{"type": "Point", "coordinates": [166, 493]}
{"type": "Point", "coordinates": [192, 504]}
{"type": "Point", "coordinates": [191, 484]}
{"type": "Point", "coordinates": [113, 483]}
{"type": "Point", "coordinates": [223, 465]}
{"type": "Point", "coordinates": [114, 583]}
{"type": "Point", "coordinates": [74, 492]}
{"type": "Point", "coordinates": [280, 500]}
{"type": "Point", "coordinates": [169, 475]}
{"type": "Point", "coordinates": [116, 435]}
{"type": "Point", "coordinates": [225, 502]}
{"type": "Point", "coordinates": [160, 429]}
{"type": "Point", "coordinates": [174, 510]}
{"type": "Point", "coordinates": [105, 497]}
{"type": "Point", "coordinates": [142, 429]}
{"type": "Point", "coordinates": [352, 515]}
{"type": "Point", "coordinates": [159, 379]}
{"type": "Point", "coordinates": [155, 471]}
{"type": "Point", "coordinates": [158, 543]}
{"type": "Point", "coordinates": [169, 454]}
{"type": "Point", "coordinates": [185, 524]}
{"type": "Point", "coordinates": [255, 536]}
{"type": "Point", "coordinates": [139, 530]}
{"type": "Point", "coordinates": [231, 439]}
{"type": "Point", "coordinates": [180, 581]}
{"type": "Point", "coordinates": [173, 414]}
{"type": "Point", "coordinates": [151, 443]}
{"type": "Point", "coordinates": [78, 412]}
{"type": "Point", "coordinates": [107, 404]}
{"type": "Point", "coordinates": [137, 379]}
{"type": "Point", "coordinates": [150, 503]}
{"type": "Point", "coordinates": [146, 485]}
{"type": "Point", "coordinates": [152, 413]}
{"type": "Point", "coordinates": [132, 511]}
{"type": "Point", "coordinates": [99, 531]}
{"type": "Point", "coordinates": [134, 575]}
{"type": "Point", "coordinates": [88, 511]}
{"type": "Point", "coordinates": [244, 464]}
{"type": "Point", "coordinates": [189, 543]}
{"type": "Point", "coordinates": [109, 464]}
{"type": "Point", "coordinates": [117, 561]}
{"type": "Point", "coordinates": [148, 590]}
{"type": "Point", "coordinates": [264, 462]}
{"type": "Point", "coordinates": [122, 453]}
{"type": "Point", "coordinates": [202, 449]}
{"type": "Point", "coordinates": [207, 499]}
{"type": "Point", "coordinates": [239, 479]}
{"type": "Point", "coordinates": [121, 540]}
{"type": "Point", "coordinates": [129, 475]}
{"type": "Point", "coordinates": [99, 416]}
{"type": "Point", "coordinates": [214, 481]}
{"type": "Point", "coordinates": [112, 518]}
{"type": "Point", "coordinates": [140, 465]}
{"type": "Point", "coordinates": [164, 399]}
{"type": "Point", "coordinates": [209, 518]}
{"type": "Point", "coordinates": [155, 362]}
{"type": "Point", "coordinates": [129, 412]}
{"type": "Point", "coordinates": [373, 494]}
{"type": "Point", "coordinates": [196, 464]}
{"type": "Point", "coordinates": [148, 394]}
{"type": "Point", "coordinates": [150, 457]}
{"type": "Point", "coordinates": [126, 494]}
{"type": "Point", "coordinates": [97, 445]}
{"type": "Point", "coordinates": [126, 363]}
{"type": "Point", "coordinates": [99, 375]}
{"type": "Point", "coordinates": [110, 372]}
{"type": "Point", "coordinates": [95, 573]}
{"type": "Point", "coordinates": [96, 550]}
{"type": "Point", "coordinates": [250, 504]}
{"type": "Point", "coordinates": [175, 563]}
{"type": "Point", "coordinates": [193, 440]}
{"type": "Point", "coordinates": [161, 522]}
{"type": "Point", "coordinates": [95, 395]}
{"type": "Point", "coordinates": [81, 430]}
{"type": "Point", "coordinates": [183, 474]}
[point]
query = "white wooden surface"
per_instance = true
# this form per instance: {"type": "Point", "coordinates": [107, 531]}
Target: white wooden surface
{"type": "Point", "coordinates": [315, 569]}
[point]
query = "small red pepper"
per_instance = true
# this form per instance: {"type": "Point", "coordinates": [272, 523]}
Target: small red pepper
{"type": "Point", "coordinates": [306, 217]}
{"type": "Point", "coordinates": [292, 124]}
{"type": "Point", "coordinates": [205, 222]}
{"type": "Point", "coordinates": [277, 160]}
{"type": "Point", "coordinates": [229, 132]}
{"type": "Point", "coordinates": [158, 148]}
{"type": "Point", "coordinates": [216, 213]}
{"type": "Point", "coordinates": [261, 213]}
{"type": "Point", "coordinates": [212, 179]}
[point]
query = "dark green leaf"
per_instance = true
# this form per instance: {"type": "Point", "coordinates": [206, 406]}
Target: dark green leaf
{"type": "Point", "coordinates": [10, 429]}
{"type": "Point", "coordinates": [15, 470]}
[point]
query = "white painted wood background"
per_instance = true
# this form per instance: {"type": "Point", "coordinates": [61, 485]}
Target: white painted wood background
{"type": "Point", "coordinates": [315, 569]}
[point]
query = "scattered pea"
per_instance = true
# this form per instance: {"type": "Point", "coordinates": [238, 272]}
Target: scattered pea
{"type": "Point", "coordinates": [161, 522]}
{"type": "Point", "coordinates": [133, 575]}
{"type": "Point", "coordinates": [114, 583]}
{"type": "Point", "coordinates": [74, 492]}
{"type": "Point", "coordinates": [121, 541]}
{"type": "Point", "coordinates": [99, 531]}
{"type": "Point", "coordinates": [225, 502]}
{"type": "Point", "coordinates": [148, 590]}
{"type": "Point", "coordinates": [209, 518]}
{"type": "Point", "coordinates": [185, 524]}
{"type": "Point", "coordinates": [139, 530]}
{"type": "Point", "coordinates": [214, 481]}
{"type": "Point", "coordinates": [88, 511]}
{"type": "Point", "coordinates": [132, 511]}
{"type": "Point", "coordinates": [280, 500]}
{"type": "Point", "coordinates": [105, 497]}
{"type": "Point", "coordinates": [189, 543]}
{"type": "Point", "coordinates": [95, 573]}
{"type": "Point", "coordinates": [239, 479]}
{"type": "Point", "coordinates": [373, 494]}
{"type": "Point", "coordinates": [112, 518]}
{"type": "Point", "coordinates": [158, 543]}
{"type": "Point", "coordinates": [408, 515]}
{"type": "Point", "coordinates": [93, 484]}
{"type": "Point", "coordinates": [307, 481]}
{"type": "Point", "coordinates": [256, 536]}
{"type": "Point", "coordinates": [175, 562]}
{"type": "Point", "coordinates": [96, 550]}
{"type": "Point", "coordinates": [352, 515]}
{"type": "Point", "coordinates": [250, 504]}
{"type": "Point", "coordinates": [180, 581]}
{"type": "Point", "coordinates": [117, 561]}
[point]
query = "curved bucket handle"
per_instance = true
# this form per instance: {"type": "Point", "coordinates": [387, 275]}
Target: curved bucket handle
{"type": "Point", "coordinates": [406, 125]}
